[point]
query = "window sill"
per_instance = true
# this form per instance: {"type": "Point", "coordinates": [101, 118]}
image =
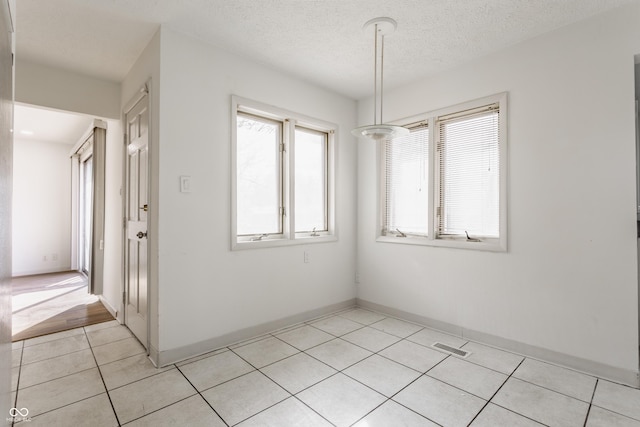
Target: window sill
{"type": "Point", "coordinates": [489, 245]}
{"type": "Point", "coordinates": [274, 243]}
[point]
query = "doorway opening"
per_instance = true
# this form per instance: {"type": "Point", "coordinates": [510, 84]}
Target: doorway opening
{"type": "Point", "coordinates": [50, 283]}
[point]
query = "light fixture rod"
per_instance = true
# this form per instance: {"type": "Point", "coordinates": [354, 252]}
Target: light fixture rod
{"type": "Point", "coordinates": [381, 74]}
{"type": "Point", "coordinates": [378, 130]}
{"type": "Point", "coordinates": [375, 75]}
{"type": "Point", "coordinates": [378, 72]}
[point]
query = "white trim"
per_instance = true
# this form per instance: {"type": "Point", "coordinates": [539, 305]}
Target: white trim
{"type": "Point", "coordinates": [97, 123]}
{"type": "Point", "coordinates": [167, 357]}
{"type": "Point", "coordinates": [590, 367]}
{"type": "Point", "coordinates": [143, 92]}
{"type": "Point", "coordinates": [109, 307]}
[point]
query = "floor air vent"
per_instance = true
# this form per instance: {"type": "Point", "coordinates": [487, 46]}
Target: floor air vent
{"type": "Point", "coordinates": [452, 350]}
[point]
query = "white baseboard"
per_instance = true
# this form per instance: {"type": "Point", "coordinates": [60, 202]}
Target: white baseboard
{"type": "Point", "coordinates": [167, 357]}
{"type": "Point", "coordinates": [109, 307]}
{"type": "Point", "coordinates": [65, 269]}
{"type": "Point", "coordinates": [601, 370]}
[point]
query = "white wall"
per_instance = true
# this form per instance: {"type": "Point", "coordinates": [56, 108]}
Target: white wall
{"type": "Point", "coordinates": [46, 86]}
{"type": "Point", "coordinates": [41, 207]}
{"type": "Point", "coordinates": [205, 289]}
{"type": "Point", "coordinates": [112, 282]}
{"type": "Point", "coordinates": [569, 282]}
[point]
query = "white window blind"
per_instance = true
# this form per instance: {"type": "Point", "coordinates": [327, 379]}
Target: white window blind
{"type": "Point", "coordinates": [259, 175]}
{"type": "Point", "coordinates": [406, 182]}
{"type": "Point", "coordinates": [469, 173]}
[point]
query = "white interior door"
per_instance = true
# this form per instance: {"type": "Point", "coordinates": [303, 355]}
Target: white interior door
{"type": "Point", "coordinates": [137, 201]}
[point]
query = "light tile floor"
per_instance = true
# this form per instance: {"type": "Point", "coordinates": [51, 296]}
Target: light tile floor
{"type": "Point", "coordinates": [354, 367]}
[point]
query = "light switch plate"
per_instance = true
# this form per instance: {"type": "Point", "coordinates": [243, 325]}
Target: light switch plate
{"type": "Point", "coordinates": [185, 184]}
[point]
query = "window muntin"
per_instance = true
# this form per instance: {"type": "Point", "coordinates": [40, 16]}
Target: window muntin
{"type": "Point", "coordinates": [469, 165]}
{"type": "Point", "coordinates": [259, 175]}
{"type": "Point", "coordinates": [310, 179]}
{"type": "Point", "coordinates": [406, 184]}
{"type": "Point", "coordinates": [466, 178]}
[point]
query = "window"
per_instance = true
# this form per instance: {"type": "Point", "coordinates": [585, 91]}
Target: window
{"type": "Point", "coordinates": [281, 177]}
{"type": "Point", "coordinates": [259, 171]}
{"type": "Point", "coordinates": [452, 192]}
{"type": "Point", "coordinates": [311, 180]}
{"type": "Point", "coordinates": [407, 168]}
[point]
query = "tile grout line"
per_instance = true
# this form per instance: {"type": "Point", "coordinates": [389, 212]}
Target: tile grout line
{"type": "Point", "coordinates": [68, 404]}
{"type": "Point", "coordinates": [200, 394]}
{"type": "Point", "coordinates": [486, 367]}
{"type": "Point", "coordinates": [536, 385]}
{"type": "Point", "coordinates": [422, 375]}
{"type": "Point", "coordinates": [156, 410]}
{"type": "Point", "coordinates": [341, 371]}
{"type": "Point", "coordinates": [390, 398]}
{"type": "Point", "coordinates": [552, 390]}
{"type": "Point", "coordinates": [591, 403]}
{"type": "Point", "coordinates": [143, 378]}
{"type": "Point", "coordinates": [309, 355]}
{"type": "Point", "coordinates": [369, 356]}
{"type": "Point", "coordinates": [496, 392]}
{"type": "Point", "coordinates": [15, 401]}
{"type": "Point", "coordinates": [255, 369]}
{"type": "Point", "coordinates": [295, 396]}
{"type": "Point", "coordinates": [64, 376]}
{"type": "Point", "coordinates": [59, 378]}
{"type": "Point", "coordinates": [102, 378]}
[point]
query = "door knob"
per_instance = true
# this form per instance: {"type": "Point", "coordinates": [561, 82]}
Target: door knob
{"type": "Point", "coordinates": [141, 234]}
{"type": "Point", "coordinates": [144, 208]}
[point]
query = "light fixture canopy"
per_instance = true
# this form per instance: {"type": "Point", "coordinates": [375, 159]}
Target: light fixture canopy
{"type": "Point", "coordinates": [382, 27]}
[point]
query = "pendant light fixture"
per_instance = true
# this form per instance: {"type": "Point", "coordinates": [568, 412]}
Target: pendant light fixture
{"type": "Point", "coordinates": [381, 27]}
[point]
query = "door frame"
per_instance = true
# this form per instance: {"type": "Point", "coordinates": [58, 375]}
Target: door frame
{"type": "Point", "coordinates": [93, 142]}
{"type": "Point", "coordinates": [142, 93]}
{"type": "Point", "coordinates": [82, 220]}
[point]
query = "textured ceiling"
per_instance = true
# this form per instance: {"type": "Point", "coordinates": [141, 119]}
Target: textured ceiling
{"type": "Point", "coordinates": [320, 41]}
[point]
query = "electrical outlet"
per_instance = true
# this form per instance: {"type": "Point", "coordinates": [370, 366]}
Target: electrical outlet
{"type": "Point", "coordinates": [44, 258]}
{"type": "Point", "coordinates": [306, 257]}
{"type": "Point", "coordinates": [54, 257]}
{"type": "Point", "coordinates": [357, 277]}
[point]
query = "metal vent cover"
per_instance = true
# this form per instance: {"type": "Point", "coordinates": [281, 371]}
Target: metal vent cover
{"type": "Point", "coordinates": [452, 350]}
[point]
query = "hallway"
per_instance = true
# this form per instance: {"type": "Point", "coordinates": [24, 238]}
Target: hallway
{"type": "Point", "coordinates": [49, 303]}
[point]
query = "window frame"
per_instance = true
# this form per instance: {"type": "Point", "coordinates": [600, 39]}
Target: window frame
{"type": "Point", "coordinates": [325, 191]}
{"type": "Point", "coordinates": [290, 122]}
{"type": "Point", "coordinates": [413, 125]}
{"type": "Point", "coordinates": [498, 244]}
{"type": "Point", "coordinates": [280, 173]}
